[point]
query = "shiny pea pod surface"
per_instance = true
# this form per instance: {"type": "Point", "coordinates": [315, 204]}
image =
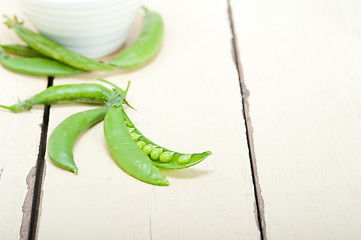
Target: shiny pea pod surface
{"type": "Point", "coordinates": [90, 93]}
{"type": "Point", "coordinates": [62, 139]}
{"type": "Point", "coordinates": [53, 50]}
{"type": "Point", "coordinates": [38, 66]}
{"type": "Point", "coordinates": [146, 46]}
{"type": "Point", "coordinates": [126, 152]}
{"type": "Point", "coordinates": [162, 157]}
{"type": "Point", "coordinates": [21, 50]}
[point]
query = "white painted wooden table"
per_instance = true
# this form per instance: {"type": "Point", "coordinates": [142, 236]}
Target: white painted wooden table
{"type": "Point", "coordinates": [270, 87]}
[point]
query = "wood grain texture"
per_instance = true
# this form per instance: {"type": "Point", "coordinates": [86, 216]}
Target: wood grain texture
{"type": "Point", "coordinates": [301, 64]}
{"type": "Point", "coordinates": [188, 99]}
{"type": "Point", "coordinates": [19, 142]}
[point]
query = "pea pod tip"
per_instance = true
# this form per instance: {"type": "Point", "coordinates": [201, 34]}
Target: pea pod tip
{"type": "Point", "coordinates": [8, 107]}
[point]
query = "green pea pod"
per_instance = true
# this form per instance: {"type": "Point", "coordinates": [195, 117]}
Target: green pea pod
{"type": "Point", "coordinates": [37, 66]}
{"type": "Point", "coordinates": [21, 50]}
{"type": "Point", "coordinates": [53, 50]}
{"type": "Point", "coordinates": [70, 93]}
{"type": "Point", "coordinates": [176, 160]}
{"type": "Point", "coordinates": [62, 139]}
{"type": "Point", "coordinates": [126, 152]}
{"type": "Point", "coordinates": [146, 46]}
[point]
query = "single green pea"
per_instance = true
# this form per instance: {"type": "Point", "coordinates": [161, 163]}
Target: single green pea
{"type": "Point", "coordinates": [148, 148]}
{"type": "Point", "coordinates": [141, 144]}
{"type": "Point", "coordinates": [166, 156]}
{"type": "Point", "coordinates": [135, 136]}
{"type": "Point", "coordinates": [184, 158]}
{"type": "Point", "coordinates": [155, 153]}
{"type": "Point", "coordinates": [130, 129]}
{"type": "Point", "coordinates": [129, 124]}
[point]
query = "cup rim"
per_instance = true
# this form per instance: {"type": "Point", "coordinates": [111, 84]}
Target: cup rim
{"type": "Point", "coordinates": [76, 6]}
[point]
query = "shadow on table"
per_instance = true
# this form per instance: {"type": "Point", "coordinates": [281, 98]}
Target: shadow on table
{"type": "Point", "coordinates": [185, 173]}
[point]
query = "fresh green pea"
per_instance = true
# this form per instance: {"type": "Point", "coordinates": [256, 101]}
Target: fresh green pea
{"type": "Point", "coordinates": [166, 156]}
{"type": "Point", "coordinates": [69, 93]}
{"type": "Point", "coordinates": [135, 136]}
{"type": "Point", "coordinates": [128, 125]}
{"type": "Point", "coordinates": [21, 50]}
{"type": "Point", "coordinates": [131, 129]}
{"type": "Point", "coordinates": [146, 46]}
{"type": "Point", "coordinates": [174, 162]}
{"type": "Point", "coordinates": [53, 50]}
{"type": "Point", "coordinates": [184, 158]}
{"type": "Point", "coordinates": [141, 144]}
{"type": "Point", "coordinates": [155, 153]}
{"type": "Point", "coordinates": [38, 66]}
{"type": "Point", "coordinates": [126, 152]}
{"type": "Point", "coordinates": [62, 139]}
{"type": "Point", "coordinates": [148, 148]}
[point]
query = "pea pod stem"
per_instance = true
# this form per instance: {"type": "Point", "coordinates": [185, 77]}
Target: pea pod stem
{"type": "Point", "coordinates": [53, 50]}
{"type": "Point", "coordinates": [62, 139]}
{"type": "Point", "coordinates": [146, 46]}
{"type": "Point", "coordinates": [174, 163]}
{"type": "Point", "coordinates": [126, 152]}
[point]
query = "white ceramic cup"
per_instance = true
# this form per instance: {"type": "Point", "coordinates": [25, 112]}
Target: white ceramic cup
{"type": "Point", "coordinates": [93, 28]}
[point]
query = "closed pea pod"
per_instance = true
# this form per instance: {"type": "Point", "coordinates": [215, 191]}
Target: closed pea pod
{"type": "Point", "coordinates": [146, 46]}
{"type": "Point", "coordinates": [53, 50]}
{"type": "Point", "coordinates": [173, 160]}
{"type": "Point", "coordinates": [38, 66]}
{"type": "Point", "coordinates": [62, 139]}
{"type": "Point", "coordinates": [70, 93]}
{"type": "Point", "coordinates": [21, 50]}
{"type": "Point", "coordinates": [126, 152]}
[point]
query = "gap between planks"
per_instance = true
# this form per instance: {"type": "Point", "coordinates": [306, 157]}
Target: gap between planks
{"type": "Point", "coordinates": [40, 164]}
{"type": "Point", "coordinates": [40, 170]}
{"type": "Point", "coordinates": [259, 208]}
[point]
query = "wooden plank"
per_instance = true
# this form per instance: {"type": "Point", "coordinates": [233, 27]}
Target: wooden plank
{"type": "Point", "coordinates": [20, 137]}
{"type": "Point", "coordinates": [301, 66]}
{"type": "Point", "coordinates": [188, 99]}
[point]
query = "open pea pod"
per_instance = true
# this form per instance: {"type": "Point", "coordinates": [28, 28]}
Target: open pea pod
{"type": "Point", "coordinates": [160, 156]}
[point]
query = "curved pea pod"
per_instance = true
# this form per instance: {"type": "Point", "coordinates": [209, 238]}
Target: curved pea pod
{"type": "Point", "coordinates": [21, 50]}
{"type": "Point", "coordinates": [146, 46]}
{"type": "Point", "coordinates": [38, 66]}
{"type": "Point", "coordinates": [168, 159]}
{"type": "Point", "coordinates": [126, 152]}
{"type": "Point", "coordinates": [90, 93]}
{"type": "Point", "coordinates": [62, 139]}
{"type": "Point", "coordinates": [53, 50]}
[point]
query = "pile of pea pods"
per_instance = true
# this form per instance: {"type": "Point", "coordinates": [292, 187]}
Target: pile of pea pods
{"type": "Point", "coordinates": [43, 57]}
{"type": "Point", "coordinates": [132, 151]}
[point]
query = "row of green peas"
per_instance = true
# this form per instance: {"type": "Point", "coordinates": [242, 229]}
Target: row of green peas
{"type": "Point", "coordinates": [156, 153]}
